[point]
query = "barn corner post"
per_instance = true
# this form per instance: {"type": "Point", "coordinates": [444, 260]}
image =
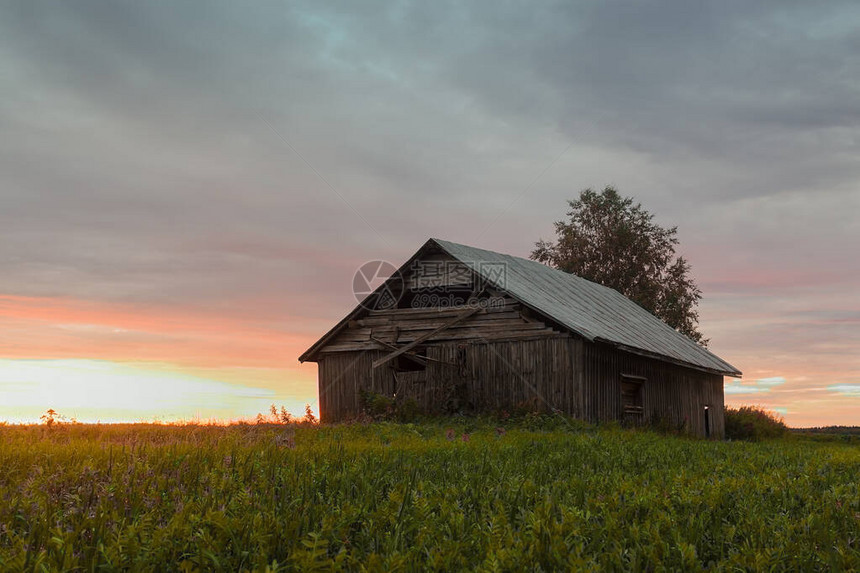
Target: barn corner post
{"type": "Point", "coordinates": [458, 327]}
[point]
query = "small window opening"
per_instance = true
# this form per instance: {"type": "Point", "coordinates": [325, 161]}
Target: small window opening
{"type": "Point", "coordinates": [631, 395]}
{"type": "Point", "coordinates": [407, 363]}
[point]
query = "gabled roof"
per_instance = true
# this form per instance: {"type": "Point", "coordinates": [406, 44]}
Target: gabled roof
{"type": "Point", "coordinates": [593, 311]}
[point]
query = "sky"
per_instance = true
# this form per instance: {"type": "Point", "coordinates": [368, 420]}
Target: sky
{"type": "Point", "coordinates": [187, 189]}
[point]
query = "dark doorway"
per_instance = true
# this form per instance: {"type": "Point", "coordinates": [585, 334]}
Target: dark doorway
{"type": "Point", "coordinates": [707, 422]}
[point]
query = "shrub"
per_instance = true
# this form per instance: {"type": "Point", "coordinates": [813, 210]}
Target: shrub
{"type": "Point", "coordinates": [375, 405]}
{"type": "Point", "coordinates": [407, 410]}
{"type": "Point", "coordinates": [753, 423]}
{"type": "Point", "coordinates": [665, 425]}
{"type": "Point", "coordinates": [381, 407]}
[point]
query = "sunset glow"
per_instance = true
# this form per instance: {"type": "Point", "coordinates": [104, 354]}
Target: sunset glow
{"type": "Point", "coordinates": [102, 391]}
{"type": "Point", "coordinates": [108, 363]}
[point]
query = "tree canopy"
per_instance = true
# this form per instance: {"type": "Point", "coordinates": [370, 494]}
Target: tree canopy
{"type": "Point", "coordinates": [613, 241]}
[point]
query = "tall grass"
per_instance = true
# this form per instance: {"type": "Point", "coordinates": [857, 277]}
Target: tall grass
{"type": "Point", "coordinates": [438, 496]}
{"type": "Point", "coordinates": [753, 423]}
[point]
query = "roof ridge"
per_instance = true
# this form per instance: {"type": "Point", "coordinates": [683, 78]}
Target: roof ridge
{"type": "Point", "coordinates": [565, 274]}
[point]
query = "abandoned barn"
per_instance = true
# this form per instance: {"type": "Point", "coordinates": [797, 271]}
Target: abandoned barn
{"type": "Point", "coordinates": [461, 328]}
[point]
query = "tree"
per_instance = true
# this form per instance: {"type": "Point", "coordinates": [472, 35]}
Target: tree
{"type": "Point", "coordinates": [612, 241]}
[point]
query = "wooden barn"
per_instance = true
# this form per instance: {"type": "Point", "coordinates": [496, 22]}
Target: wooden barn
{"type": "Point", "coordinates": [458, 327]}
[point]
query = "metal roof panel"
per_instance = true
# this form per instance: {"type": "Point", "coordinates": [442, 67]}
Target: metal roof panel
{"type": "Point", "coordinates": [591, 310]}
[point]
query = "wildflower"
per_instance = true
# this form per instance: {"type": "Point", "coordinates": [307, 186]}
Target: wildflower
{"type": "Point", "coordinates": [500, 432]}
{"type": "Point", "coordinates": [465, 437]}
{"type": "Point", "coordinates": [449, 434]}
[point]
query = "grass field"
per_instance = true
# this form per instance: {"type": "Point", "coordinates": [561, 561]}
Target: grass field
{"type": "Point", "coordinates": [448, 495]}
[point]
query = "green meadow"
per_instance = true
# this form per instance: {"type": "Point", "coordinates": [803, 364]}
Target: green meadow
{"type": "Point", "coordinates": [539, 494]}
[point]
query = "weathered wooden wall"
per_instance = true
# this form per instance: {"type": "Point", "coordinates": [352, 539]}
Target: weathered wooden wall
{"type": "Point", "coordinates": [672, 394]}
{"type": "Point", "coordinates": [341, 375]}
{"type": "Point", "coordinates": [501, 358]}
{"type": "Point", "coordinates": [504, 321]}
{"type": "Point", "coordinates": [540, 373]}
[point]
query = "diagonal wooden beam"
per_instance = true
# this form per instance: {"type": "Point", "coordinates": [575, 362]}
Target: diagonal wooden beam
{"type": "Point", "coordinates": [456, 320]}
{"type": "Point", "coordinates": [419, 359]}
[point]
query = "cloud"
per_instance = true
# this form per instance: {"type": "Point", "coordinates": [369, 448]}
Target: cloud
{"type": "Point", "coordinates": [769, 382]}
{"type": "Point", "coordinates": [845, 389]}
{"type": "Point", "coordinates": [760, 386]}
{"type": "Point", "coordinates": [136, 136]}
{"type": "Point", "coordinates": [732, 389]}
{"type": "Point", "coordinates": [139, 166]}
